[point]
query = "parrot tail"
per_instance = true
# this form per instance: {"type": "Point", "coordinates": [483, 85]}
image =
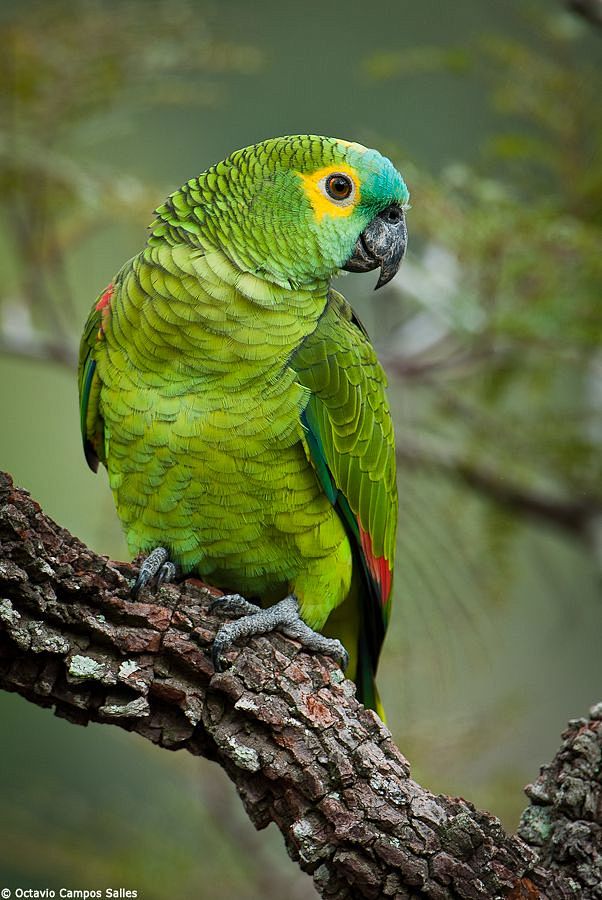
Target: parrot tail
{"type": "Point", "coordinates": [367, 692]}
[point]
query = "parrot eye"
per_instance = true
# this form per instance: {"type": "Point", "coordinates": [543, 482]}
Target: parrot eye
{"type": "Point", "coordinates": [339, 186]}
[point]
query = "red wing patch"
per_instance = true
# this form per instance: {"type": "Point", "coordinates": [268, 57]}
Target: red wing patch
{"type": "Point", "coordinates": [378, 566]}
{"type": "Point", "coordinates": [104, 307]}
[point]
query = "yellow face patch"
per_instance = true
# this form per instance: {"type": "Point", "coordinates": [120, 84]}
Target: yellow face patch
{"type": "Point", "coordinates": [322, 204]}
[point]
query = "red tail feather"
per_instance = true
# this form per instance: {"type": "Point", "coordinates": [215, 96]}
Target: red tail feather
{"type": "Point", "coordinates": [378, 565]}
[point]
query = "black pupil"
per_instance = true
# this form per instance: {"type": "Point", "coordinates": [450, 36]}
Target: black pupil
{"type": "Point", "coordinates": [339, 187]}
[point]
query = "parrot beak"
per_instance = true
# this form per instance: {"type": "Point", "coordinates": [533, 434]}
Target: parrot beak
{"type": "Point", "coordinates": [382, 243]}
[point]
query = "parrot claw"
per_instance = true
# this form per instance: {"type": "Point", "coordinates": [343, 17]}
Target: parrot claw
{"type": "Point", "coordinates": [156, 566]}
{"type": "Point", "coordinates": [313, 640]}
{"type": "Point", "coordinates": [282, 616]}
{"type": "Point", "coordinates": [167, 573]}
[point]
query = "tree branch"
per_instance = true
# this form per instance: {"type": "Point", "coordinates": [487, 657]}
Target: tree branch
{"type": "Point", "coordinates": [590, 10]}
{"type": "Point", "coordinates": [39, 349]}
{"type": "Point", "coordinates": [284, 725]}
{"type": "Point", "coordinates": [575, 516]}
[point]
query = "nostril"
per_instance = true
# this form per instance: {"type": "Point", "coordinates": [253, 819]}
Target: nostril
{"type": "Point", "coordinates": [393, 215]}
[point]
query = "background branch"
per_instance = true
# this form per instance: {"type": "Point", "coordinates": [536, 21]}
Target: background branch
{"type": "Point", "coordinates": [574, 514]}
{"type": "Point", "coordinates": [590, 10]}
{"type": "Point", "coordinates": [284, 725]}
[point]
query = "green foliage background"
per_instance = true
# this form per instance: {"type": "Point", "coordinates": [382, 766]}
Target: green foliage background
{"type": "Point", "coordinates": [491, 335]}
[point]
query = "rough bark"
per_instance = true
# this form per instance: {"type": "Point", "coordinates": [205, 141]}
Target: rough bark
{"type": "Point", "coordinates": [284, 725]}
{"type": "Point", "coordinates": [564, 821]}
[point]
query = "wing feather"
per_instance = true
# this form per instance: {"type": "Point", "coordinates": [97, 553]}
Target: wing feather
{"type": "Point", "coordinates": [91, 422]}
{"type": "Point", "coordinates": [351, 446]}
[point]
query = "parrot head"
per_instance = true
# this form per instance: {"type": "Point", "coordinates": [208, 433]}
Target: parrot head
{"type": "Point", "coordinates": [295, 210]}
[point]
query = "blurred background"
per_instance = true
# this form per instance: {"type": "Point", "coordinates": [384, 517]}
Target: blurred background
{"type": "Point", "coordinates": [491, 336]}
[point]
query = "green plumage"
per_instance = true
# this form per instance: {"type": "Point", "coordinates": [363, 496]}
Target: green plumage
{"type": "Point", "coordinates": [238, 407]}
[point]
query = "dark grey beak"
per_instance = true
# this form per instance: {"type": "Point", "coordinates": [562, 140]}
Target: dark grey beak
{"type": "Point", "coordinates": [382, 243]}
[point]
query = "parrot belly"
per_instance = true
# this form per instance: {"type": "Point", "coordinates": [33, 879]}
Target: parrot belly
{"type": "Point", "coordinates": [218, 475]}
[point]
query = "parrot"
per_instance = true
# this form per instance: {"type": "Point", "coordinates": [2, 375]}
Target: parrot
{"type": "Point", "coordinates": [238, 404]}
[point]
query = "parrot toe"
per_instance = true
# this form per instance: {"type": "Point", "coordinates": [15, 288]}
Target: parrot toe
{"type": "Point", "coordinates": [156, 567]}
{"type": "Point", "coordinates": [233, 605]}
{"type": "Point", "coordinates": [282, 616]}
{"type": "Point", "coordinates": [313, 640]}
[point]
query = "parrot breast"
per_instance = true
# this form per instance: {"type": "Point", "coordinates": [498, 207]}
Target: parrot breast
{"type": "Point", "coordinates": [203, 435]}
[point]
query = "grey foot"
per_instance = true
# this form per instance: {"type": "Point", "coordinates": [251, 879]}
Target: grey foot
{"type": "Point", "coordinates": [156, 567]}
{"type": "Point", "coordinates": [283, 616]}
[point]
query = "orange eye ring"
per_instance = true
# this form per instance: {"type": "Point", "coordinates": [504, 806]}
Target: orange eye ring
{"type": "Point", "coordinates": [338, 186]}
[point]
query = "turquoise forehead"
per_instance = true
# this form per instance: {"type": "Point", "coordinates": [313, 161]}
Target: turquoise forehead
{"type": "Point", "coordinates": [379, 178]}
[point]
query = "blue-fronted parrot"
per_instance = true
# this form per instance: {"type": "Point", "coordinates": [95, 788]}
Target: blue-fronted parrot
{"type": "Point", "coordinates": [238, 404]}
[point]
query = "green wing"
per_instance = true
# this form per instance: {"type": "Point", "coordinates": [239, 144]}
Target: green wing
{"type": "Point", "coordinates": [91, 423]}
{"type": "Point", "coordinates": [351, 443]}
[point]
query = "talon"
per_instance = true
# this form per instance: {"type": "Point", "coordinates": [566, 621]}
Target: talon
{"type": "Point", "coordinates": [220, 645]}
{"type": "Point", "coordinates": [337, 651]}
{"type": "Point", "coordinates": [167, 573]}
{"type": "Point", "coordinates": [139, 585]}
{"type": "Point", "coordinates": [156, 566]}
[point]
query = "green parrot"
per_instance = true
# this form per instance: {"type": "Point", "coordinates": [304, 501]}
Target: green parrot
{"type": "Point", "coordinates": [238, 405]}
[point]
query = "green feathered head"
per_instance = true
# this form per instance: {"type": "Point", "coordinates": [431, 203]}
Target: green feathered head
{"type": "Point", "coordinates": [294, 210]}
